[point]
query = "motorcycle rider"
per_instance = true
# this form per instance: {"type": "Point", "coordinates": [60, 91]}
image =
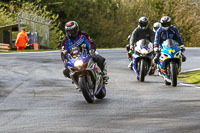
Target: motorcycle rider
{"type": "Point", "coordinates": [74, 37]}
{"type": "Point", "coordinates": [156, 26]}
{"type": "Point", "coordinates": [167, 31]}
{"type": "Point", "coordinates": [141, 32]}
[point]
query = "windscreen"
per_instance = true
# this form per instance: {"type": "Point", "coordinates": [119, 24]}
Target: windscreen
{"type": "Point", "coordinates": [169, 43]}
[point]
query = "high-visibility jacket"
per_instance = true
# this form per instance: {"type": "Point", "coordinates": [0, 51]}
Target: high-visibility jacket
{"type": "Point", "coordinates": [22, 39]}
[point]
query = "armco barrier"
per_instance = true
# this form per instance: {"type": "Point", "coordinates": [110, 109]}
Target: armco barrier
{"type": "Point", "coordinates": [4, 47]}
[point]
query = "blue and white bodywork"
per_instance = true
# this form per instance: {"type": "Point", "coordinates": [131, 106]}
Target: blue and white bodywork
{"type": "Point", "coordinates": [142, 58]}
{"type": "Point", "coordinates": [170, 61]}
{"type": "Point", "coordinates": [86, 74]}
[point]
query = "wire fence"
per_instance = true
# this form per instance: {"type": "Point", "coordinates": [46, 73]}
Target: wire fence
{"type": "Point", "coordinates": [36, 27]}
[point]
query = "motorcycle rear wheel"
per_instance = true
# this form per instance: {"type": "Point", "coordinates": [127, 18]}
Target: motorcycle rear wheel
{"type": "Point", "coordinates": [101, 94]}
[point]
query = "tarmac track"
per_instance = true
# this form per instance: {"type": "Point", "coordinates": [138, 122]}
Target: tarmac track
{"type": "Point", "coordinates": [35, 97]}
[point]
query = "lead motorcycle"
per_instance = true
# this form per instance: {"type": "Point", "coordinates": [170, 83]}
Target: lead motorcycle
{"type": "Point", "coordinates": [170, 62]}
{"type": "Point", "coordinates": [142, 58]}
{"type": "Point", "coordinates": [86, 74]}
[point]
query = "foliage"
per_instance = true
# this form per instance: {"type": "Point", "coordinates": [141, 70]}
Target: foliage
{"type": "Point", "coordinates": [5, 17]}
{"type": "Point", "coordinates": [13, 7]}
{"type": "Point", "coordinates": [109, 22]}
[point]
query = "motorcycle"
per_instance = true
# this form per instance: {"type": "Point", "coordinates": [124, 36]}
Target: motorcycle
{"type": "Point", "coordinates": [142, 58]}
{"type": "Point", "coordinates": [170, 62]}
{"type": "Point", "coordinates": [86, 74]}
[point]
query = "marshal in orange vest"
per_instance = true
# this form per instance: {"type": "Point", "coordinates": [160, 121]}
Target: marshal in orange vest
{"type": "Point", "coordinates": [22, 40]}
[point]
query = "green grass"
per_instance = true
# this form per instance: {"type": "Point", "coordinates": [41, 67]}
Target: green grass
{"type": "Point", "coordinates": [191, 77]}
{"type": "Point", "coordinates": [28, 50]}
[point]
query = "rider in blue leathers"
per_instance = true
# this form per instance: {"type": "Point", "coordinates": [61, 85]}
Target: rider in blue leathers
{"type": "Point", "coordinates": [75, 38]}
{"type": "Point", "coordinates": [167, 31]}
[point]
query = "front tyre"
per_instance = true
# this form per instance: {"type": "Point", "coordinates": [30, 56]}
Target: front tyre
{"type": "Point", "coordinates": [87, 92]}
{"type": "Point", "coordinates": [143, 65]}
{"type": "Point", "coordinates": [173, 73]}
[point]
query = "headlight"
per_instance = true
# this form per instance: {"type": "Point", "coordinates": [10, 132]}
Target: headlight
{"type": "Point", "coordinates": [177, 55]}
{"type": "Point", "coordinates": [165, 56]}
{"type": "Point", "coordinates": [78, 63]}
{"type": "Point", "coordinates": [144, 51]}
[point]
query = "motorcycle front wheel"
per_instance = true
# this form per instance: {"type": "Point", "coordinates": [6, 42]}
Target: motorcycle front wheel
{"type": "Point", "coordinates": [143, 70]}
{"type": "Point", "coordinates": [87, 92]}
{"type": "Point", "coordinates": [173, 73]}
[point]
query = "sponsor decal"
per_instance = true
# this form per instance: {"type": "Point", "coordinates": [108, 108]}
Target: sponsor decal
{"type": "Point", "coordinates": [171, 36]}
{"type": "Point", "coordinates": [69, 24]}
{"type": "Point", "coordinates": [163, 37]}
{"type": "Point", "coordinates": [172, 50]}
{"type": "Point", "coordinates": [80, 41]}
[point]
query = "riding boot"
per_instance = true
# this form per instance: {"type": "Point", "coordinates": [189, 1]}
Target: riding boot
{"type": "Point", "coordinates": [66, 72]}
{"type": "Point", "coordinates": [130, 65]}
{"type": "Point", "coordinates": [183, 57]}
{"type": "Point", "coordinates": [156, 58]}
{"type": "Point", "coordinates": [105, 76]}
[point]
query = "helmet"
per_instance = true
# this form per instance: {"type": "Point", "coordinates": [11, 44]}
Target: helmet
{"type": "Point", "coordinates": [156, 26]}
{"type": "Point", "coordinates": [71, 29]}
{"type": "Point", "coordinates": [165, 22]}
{"type": "Point", "coordinates": [143, 21]}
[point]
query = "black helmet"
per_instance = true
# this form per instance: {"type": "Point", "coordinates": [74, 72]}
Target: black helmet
{"type": "Point", "coordinates": [71, 29]}
{"type": "Point", "coordinates": [165, 22]}
{"type": "Point", "coordinates": [143, 22]}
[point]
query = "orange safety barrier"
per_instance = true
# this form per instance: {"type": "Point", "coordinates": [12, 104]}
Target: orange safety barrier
{"type": "Point", "coordinates": [4, 47]}
{"type": "Point", "coordinates": [36, 46]}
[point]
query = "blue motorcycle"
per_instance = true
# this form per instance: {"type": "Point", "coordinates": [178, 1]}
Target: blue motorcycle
{"type": "Point", "coordinates": [170, 62]}
{"type": "Point", "coordinates": [142, 58]}
{"type": "Point", "coordinates": [86, 74]}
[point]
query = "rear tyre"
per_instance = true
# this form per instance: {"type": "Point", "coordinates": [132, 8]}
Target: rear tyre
{"type": "Point", "coordinates": [151, 72]}
{"type": "Point", "coordinates": [102, 93]}
{"type": "Point", "coordinates": [173, 73]}
{"type": "Point", "coordinates": [153, 69]}
{"type": "Point", "coordinates": [87, 92]}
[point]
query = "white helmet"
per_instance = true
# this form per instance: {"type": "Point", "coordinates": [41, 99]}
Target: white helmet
{"type": "Point", "coordinates": [156, 26]}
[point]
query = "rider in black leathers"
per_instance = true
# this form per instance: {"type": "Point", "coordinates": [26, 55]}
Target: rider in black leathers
{"type": "Point", "coordinates": [141, 32]}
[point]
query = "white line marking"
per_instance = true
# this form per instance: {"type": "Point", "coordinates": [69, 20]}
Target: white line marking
{"type": "Point", "coordinates": [191, 70]}
{"type": "Point", "coordinates": [190, 85]}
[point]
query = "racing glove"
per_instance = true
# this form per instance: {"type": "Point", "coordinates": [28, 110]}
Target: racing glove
{"type": "Point", "coordinates": [64, 55]}
{"type": "Point", "coordinates": [92, 52]}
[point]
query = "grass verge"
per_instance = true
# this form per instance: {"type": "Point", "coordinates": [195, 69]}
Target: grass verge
{"type": "Point", "coordinates": [28, 50]}
{"type": "Point", "coordinates": [191, 77]}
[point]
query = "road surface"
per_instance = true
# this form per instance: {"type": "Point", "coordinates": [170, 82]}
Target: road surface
{"type": "Point", "coordinates": [35, 97]}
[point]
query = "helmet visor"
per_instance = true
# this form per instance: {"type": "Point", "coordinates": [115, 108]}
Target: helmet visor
{"type": "Point", "coordinates": [166, 24]}
{"type": "Point", "coordinates": [143, 24]}
{"type": "Point", "coordinates": [71, 33]}
{"type": "Point", "coordinates": [156, 28]}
